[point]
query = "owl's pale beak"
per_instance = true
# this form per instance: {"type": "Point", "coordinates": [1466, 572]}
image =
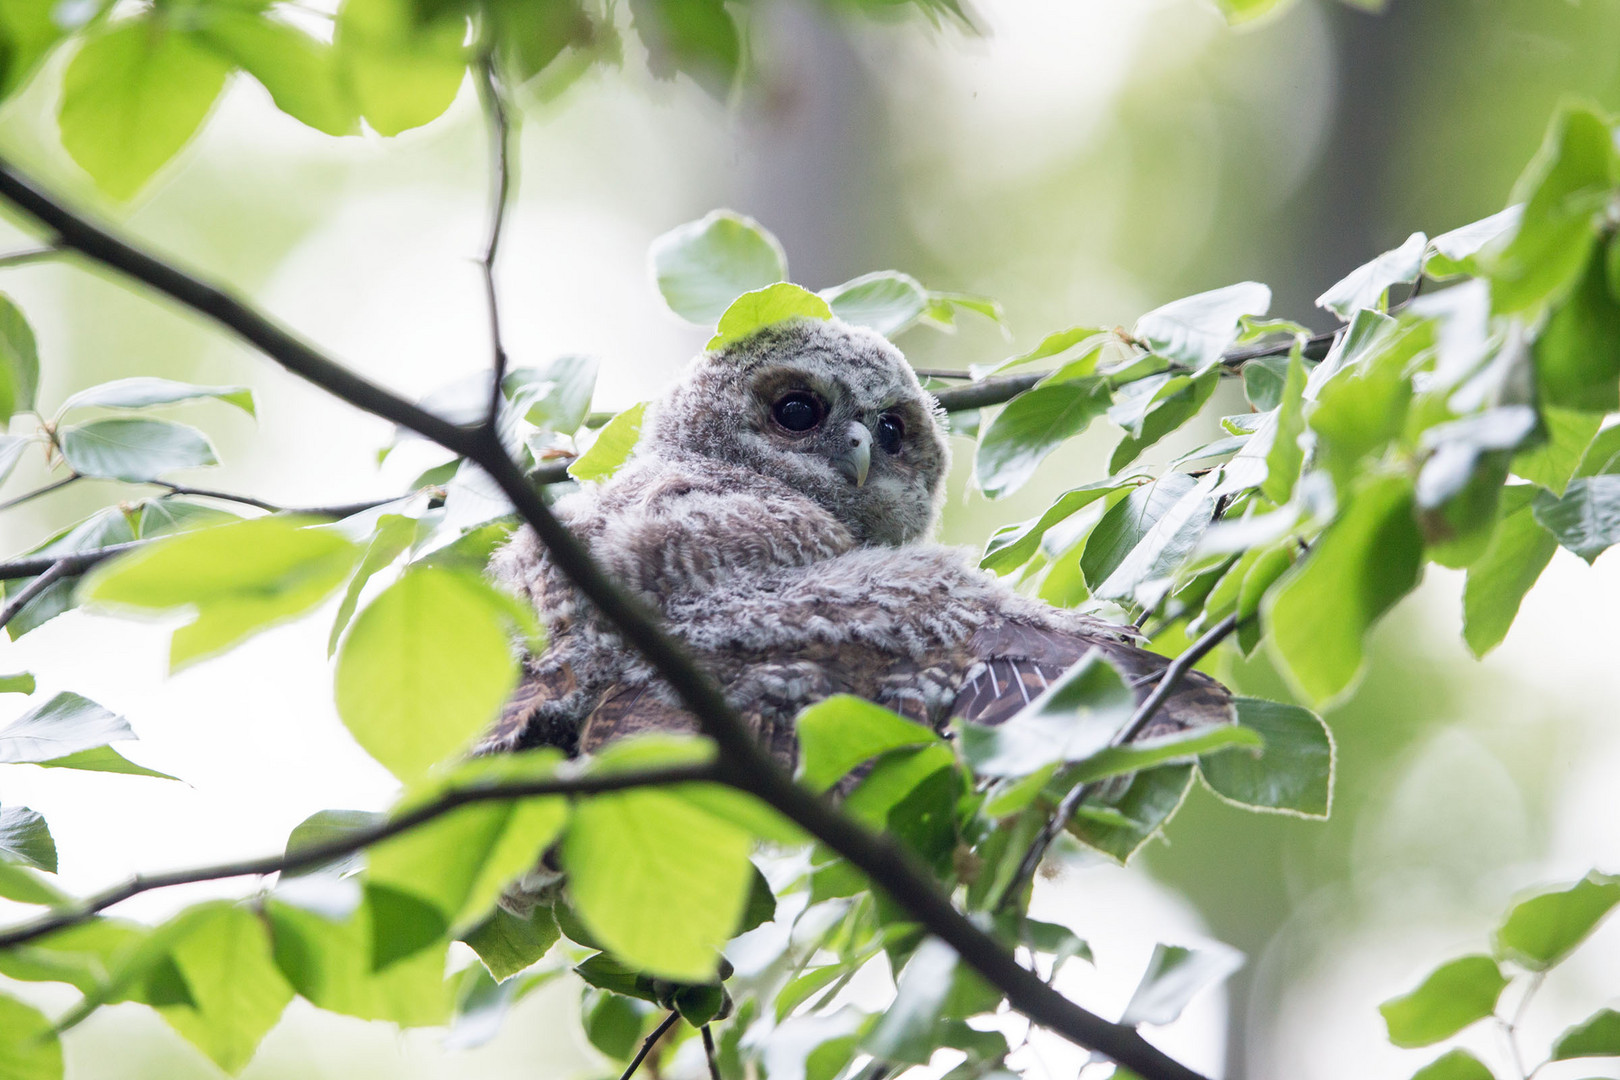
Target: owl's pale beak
{"type": "Point", "coordinates": [856, 460]}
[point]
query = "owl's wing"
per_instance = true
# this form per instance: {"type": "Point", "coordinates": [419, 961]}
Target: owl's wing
{"type": "Point", "coordinates": [528, 719]}
{"type": "Point", "coordinates": [1011, 663]}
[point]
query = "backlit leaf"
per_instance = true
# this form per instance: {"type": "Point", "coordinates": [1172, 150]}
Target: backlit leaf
{"type": "Point", "coordinates": [1498, 580]}
{"type": "Point", "coordinates": [1030, 427]}
{"type": "Point", "coordinates": [1455, 1064]}
{"type": "Point", "coordinates": [1452, 997]}
{"type": "Point", "coordinates": [237, 993]}
{"type": "Point", "coordinates": [134, 450]}
{"type": "Point", "coordinates": [404, 72]}
{"type": "Point", "coordinates": [887, 301]}
{"type": "Point", "coordinates": [329, 964]}
{"type": "Point", "coordinates": [841, 732]}
{"type": "Point", "coordinates": [26, 839]}
{"type": "Point", "coordinates": [754, 311]}
{"type": "Point", "coordinates": [702, 266]}
{"type": "Point", "coordinates": [1577, 354]}
{"type": "Point", "coordinates": [1541, 931]}
{"type": "Point", "coordinates": [612, 446]}
{"type": "Point", "coordinates": [1293, 773]}
{"type": "Point", "coordinates": [301, 73]}
{"type": "Point", "coordinates": [29, 1046]}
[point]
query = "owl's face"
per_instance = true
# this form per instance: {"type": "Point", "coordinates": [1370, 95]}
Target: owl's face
{"type": "Point", "coordinates": [830, 409]}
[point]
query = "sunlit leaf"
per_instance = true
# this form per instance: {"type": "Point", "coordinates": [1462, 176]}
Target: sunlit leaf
{"type": "Point", "coordinates": [887, 301]}
{"type": "Point", "coordinates": [134, 450]}
{"type": "Point", "coordinates": [754, 311]}
{"type": "Point", "coordinates": [1160, 539]}
{"type": "Point", "coordinates": [29, 29]}
{"type": "Point", "coordinates": [29, 1046]}
{"type": "Point", "coordinates": [140, 392]}
{"type": "Point", "coordinates": [1174, 976]}
{"type": "Point", "coordinates": [1541, 931]}
{"type": "Point", "coordinates": [237, 994]}
{"type": "Point", "coordinates": [1178, 746]}
{"type": "Point", "coordinates": [1368, 285]}
{"type": "Point", "coordinates": [1455, 1064]}
{"type": "Point", "coordinates": [135, 93]}
{"type": "Point", "coordinates": [704, 265]}
{"type": "Point", "coordinates": [239, 578]}
{"type": "Point", "coordinates": [509, 943]}
{"type": "Point", "coordinates": [301, 73]}
{"type": "Point", "coordinates": [393, 535]}
{"type": "Point", "coordinates": [661, 882]}
{"type": "Point", "coordinates": [424, 669]}
{"type": "Point", "coordinates": [1194, 331]}
{"type": "Point", "coordinates": [841, 732]}
{"type": "Point", "coordinates": [1293, 773]}
{"type": "Point", "coordinates": [26, 839]}
{"type": "Point", "coordinates": [1498, 580]}
{"type": "Point", "coordinates": [20, 683]}
{"type": "Point", "coordinates": [612, 446]}
{"type": "Point", "coordinates": [1577, 354]}
{"type": "Point", "coordinates": [404, 73]}
{"type": "Point", "coordinates": [1030, 427]}
{"type": "Point", "coordinates": [1454, 995]}
{"type": "Point", "coordinates": [329, 964]}
{"type": "Point", "coordinates": [1564, 438]}
{"type": "Point", "coordinates": [697, 37]}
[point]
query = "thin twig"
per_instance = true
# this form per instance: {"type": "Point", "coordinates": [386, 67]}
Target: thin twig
{"type": "Point", "coordinates": [23, 258]}
{"type": "Point", "coordinates": [56, 572]}
{"type": "Point", "coordinates": [315, 854]}
{"type": "Point", "coordinates": [339, 511]}
{"type": "Point", "coordinates": [500, 168]}
{"type": "Point", "coordinates": [648, 1043]}
{"type": "Point", "coordinates": [1169, 680]}
{"type": "Point", "coordinates": [743, 764]}
{"type": "Point", "coordinates": [37, 492]}
{"type": "Point", "coordinates": [708, 1052]}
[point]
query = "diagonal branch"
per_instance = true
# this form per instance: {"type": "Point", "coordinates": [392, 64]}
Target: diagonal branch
{"type": "Point", "coordinates": [54, 573]}
{"type": "Point", "coordinates": [742, 763]}
{"type": "Point", "coordinates": [305, 858]}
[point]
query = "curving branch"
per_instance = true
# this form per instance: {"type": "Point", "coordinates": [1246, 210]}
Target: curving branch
{"type": "Point", "coordinates": [491, 98]}
{"type": "Point", "coordinates": [76, 563]}
{"type": "Point", "coordinates": [742, 764]}
{"type": "Point", "coordinates": [305, 858]}
{"type": "Point", "coordinates": [55, 485]}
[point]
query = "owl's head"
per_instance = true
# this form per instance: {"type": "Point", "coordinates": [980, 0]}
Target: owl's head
{"type": "Point", "coordinates": [830, 409]}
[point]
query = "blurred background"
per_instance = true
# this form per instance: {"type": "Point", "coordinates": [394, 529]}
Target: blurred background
{"type": "Point", "coordinates": [1080, 160]}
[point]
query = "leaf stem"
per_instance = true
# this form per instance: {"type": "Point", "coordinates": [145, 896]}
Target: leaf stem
{"type": "Point", "coordinates": [648, 1043]}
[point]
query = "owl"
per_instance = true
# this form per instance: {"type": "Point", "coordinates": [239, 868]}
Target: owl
{"type": "Point", "coordinates": [775, 516]}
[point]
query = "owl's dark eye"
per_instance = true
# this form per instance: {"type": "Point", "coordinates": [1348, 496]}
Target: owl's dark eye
{"type": "Point", "coordinates": [798, 411]}
{"type": "Point", "coordinates": [891, 432]}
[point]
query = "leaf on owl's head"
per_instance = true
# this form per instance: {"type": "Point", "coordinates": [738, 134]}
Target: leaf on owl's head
{"type": "Point", "coordinates": [773, 304]}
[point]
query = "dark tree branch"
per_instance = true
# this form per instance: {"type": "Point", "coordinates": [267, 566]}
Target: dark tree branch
{"type": "Point", "coordinates": [76, 563]}
{"type": "Point", "coordinates": [305, 858]}
{"type": "Point", "coordinates": [37, 492]}
{"type": "Point", "coordinates": [648, 1043]}
{"type": "Point", "coordinates": [743, 763]}
{"type": "Point", "coordinates": [993, 391]}
{"type": "Point", "coordinates": [54, 573]}
{"type": "Point", "coordinates": [1169, 680]}
{"type": "Point", "coordinates": [709, 1054]}
{"type": "Point", "coordinates": [500, 168]}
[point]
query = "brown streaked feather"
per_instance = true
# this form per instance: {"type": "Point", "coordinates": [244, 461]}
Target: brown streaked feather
{"type": "Point", "coordinates": [520, 724]}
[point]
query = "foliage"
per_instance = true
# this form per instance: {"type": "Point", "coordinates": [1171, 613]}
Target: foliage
{"type": "Point", "coordinates": [1462, 427]}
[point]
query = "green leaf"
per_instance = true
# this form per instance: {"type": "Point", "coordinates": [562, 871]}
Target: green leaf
{"type": "Point", "coordinates": [1499, 579]}
{"type": "Point", "coordinates": [142, 391]}
{"type": "Point", "coordinates": [661, 882]}
{"type": "Point", "coordinates": [1263, 381]}
{"type": "Point", "coordinates": [886, 301]}
{"type": "Point", "coordinates": [103, 759]}
{"type": "Point", "coordinates": [1586, 520]}
{"type": "Point", "coordinates": [912, 795]}
{"type": "Point", "coordinates": [1565, 436]}
{"type": "Point", "coordinates": [1238, 12]}
{"type": "Point", "coordinates": [1061, 943]}
{"type": "Point", "coordinates": [29, 1046]}
{"type": "Point", "coordinates": [12, 448]}
{"type": "Point", "coordinates": [300, 72]}
{"type": "Point", "coordinates": [697, 37]}
{"type": "Point", "coordinates": [841, 732]}
{"type": "Point", "coordinates": [424, 669]}
{"type": "Point", "coordinates": [1286, 457]}
{"type": "Point", "coordinates": [1452, 997]}
{"type": "Point", "coordinates": [1178, 401]}
{"type": "Point", "coordinates": [28, 31]}
{"type": "Point", "coordinates": [1173, 977]}
{"type": "Point", "coordinates": [26, 885]}
{"type": "Point", "coordinates": [20, 683]}
{"type": "Point", "coordinates": [702, 266]}
{"type": "Point", "coordinates": [1077, 717]}
{"type": "Point", "coordinates": [612, 447]}
{"type": "Point", "coordinates": [1147, 569]}
{"type": "Point", "coordinates": [26, 839]}
{"type": "Point", "coordinates": [509, 944]}
{"type": "Point", "coordinates": [1454, 1065]}
{"type": "Point", "coordinates": [103, 528]}
{"type": "Point", "coordinates": [19, 361]}
{"type": "Point", "coordinates": [65, 724]}
{"type": "Point", "coordinates": [1194, 331]}
{"type": "Point", "coordinates": [329, 964]}
{"type": "Point", "coordinates": [1012, 545]}
{"type": "Point", "coordinates": [1577, 354]}
{"type": "Point", "coordinates": [555, 397]}
{"type": "Point", "coordinates": [1564, 187]}
{"type": "Point", "coordinates": [1541, 931]}
{"type": "Point", "coordinates": [1076, 344]}
{"type": "Point", "coordinates": [754, 311]}
{"type": "Point", "coordinates": [1370, 558]}
{"type": "Point", "coordinates": [1120, 823]}
{"type": "Point", "coordinates": [237, 993]}
{"type": "Point", "coordinates": [908, 1032]}
{"type": "Point", "coordinates": [1293, 774]}
{"type": "Point", "coordinates": [1596, 1036]}
{"type": "Point", "coordinates": [1456, 446]}
{"type": "Point", "coordinates": [1363, 407]}
{"type": "Point", "coordinates": [1030, 427]}
{"type": "Point", "coordinates": [394, 533]}
{"type": "Point", "coordinates": [240, 579]}
{"type": "Point", "coordinates": [611, 1023]}
{"type": "Point", "coordinates": [1178, 746]}
{"type": "Point", "coordinates": [134, 450]}
{"type": "Point", "coordinates": [1458, 251]}
{"type": "Point", "coordinates": [461, 862]}
{"type": "Point", "coordinates": [135, 93]}
{"type": "Point", "coordinates": [404, 72]}
{"type": "Point", "coordinates": [1368, 285]}
{"type": "Point", "coordinates": [1128, 523]}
